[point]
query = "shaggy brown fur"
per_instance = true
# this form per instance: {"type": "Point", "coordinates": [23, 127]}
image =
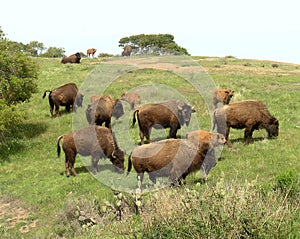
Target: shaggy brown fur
{"type": "Point", "coordinates": [170, 114]}
{"type": "Point", "coordinates": [102, 109]}
{"type": "Point", "coordinates": [132, 98]}
{"type": "Point", "coordinates": [214, 139]}
{"type": "Point", "coordinates": [249, 115]}
{"type": "Point", "coordinates": [223, 96]}
{"type": "Point", "coordinates": [97, 141]}
{"type": "Point", "coordinates": [175, 158]}
{"type": "Point", "coordinates": [75, 58]}
{"type": "Point", "coordinates": [127, 50]}
{"type": "Point", "coordinates": [66, 95]}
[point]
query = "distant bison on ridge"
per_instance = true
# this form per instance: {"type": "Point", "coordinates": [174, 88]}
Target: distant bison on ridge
{"type": "Point", "coordinates": [249, 114]}
{"type": "Point", "coordinates": [169, 114]}
{"type": "Point", "coordinates": [75, 58]}
{"type": "Point", "coordinates": [127, 50]}
{"type": "Point", "coordinates": [66, 95]}
{"type": "Point", "coordinates": [91, 52]}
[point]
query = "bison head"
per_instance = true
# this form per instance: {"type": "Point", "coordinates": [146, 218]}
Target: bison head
{"type": "Point", "coordinates": [118, 110]}
{"type": "Point", "coordinates": [227, 97]}
{"type": "Point", "coordinates": [184, 113]}
{"type": "Point", "coordinates": [117, 159]}
{"type": "Point", "coordinates": [273, 127]}
{"type": "Point", "coordinates": [79, 99]}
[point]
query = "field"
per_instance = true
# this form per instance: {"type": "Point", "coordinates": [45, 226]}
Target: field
{"type": "Point", "coordinates": [253, 192]}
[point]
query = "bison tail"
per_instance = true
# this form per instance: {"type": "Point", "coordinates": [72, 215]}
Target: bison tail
{"type": "Point", "coordinates": [134, 117]}
{"type": "Point", "coordinates": [129, 164]}
{"type": "Point", "coordinates": [44, 95]}
{"type": "Point", "coordinates": [58, 145]}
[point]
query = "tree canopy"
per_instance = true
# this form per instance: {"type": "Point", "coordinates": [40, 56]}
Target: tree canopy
{"type": "Point", "coordinates": [18, 81]}
{"type": "Point", "coordinates": [153, 43]}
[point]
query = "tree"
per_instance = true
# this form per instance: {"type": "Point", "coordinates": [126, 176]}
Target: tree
{"type": "Point", "coordinates": [54, 52]}
{"type": "Point", "coordinates": [18, 75]}
{"type": "Point", "coordinates": [153, 43]}
{"type": "Point", "coordinates": [35, 48]}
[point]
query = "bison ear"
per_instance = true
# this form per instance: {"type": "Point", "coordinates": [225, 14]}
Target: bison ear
{"type": "Point", "coordinates": [193, 109]}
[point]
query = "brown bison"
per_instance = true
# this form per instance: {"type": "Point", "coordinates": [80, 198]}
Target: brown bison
{"type": "Point", "coordinates": [213, 139]}
{"type": "Point", "coordinates": [132, 98]}
{"type": "Point", "coordinates": [175, 158]}
{"type": "Point", "coordinates": [97, 141]}
{"type": "Point", "coordinates": [102, 109]}
{"type": "Point", "coordinates": [170, 114]}
{"type": "Point", "coordinates": [127, 50]}
{"type": "Point", "coordinates": [221, 95]}
{"type": "Point", "coordinates": [66, 95]}
{"type": "Point", "coordinates": [75, 58]}
{"type": "Point", "coordinates": [249, 114]}
{"type": "Point", "coordinates": [91, 52]}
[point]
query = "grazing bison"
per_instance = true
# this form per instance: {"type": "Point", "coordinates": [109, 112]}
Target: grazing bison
{"type": "Point", "coordinates": [175, 158]}
{"type": "Point", "coordinates": [66, 95]}
{"type": "Point", "coordinates": [127, 50]}
{"type": "Point", "coordinates": [221, 95]}
{"type": "Point", "coordinates": [102, 109]}
{"type": "Point", "coordinates": [132, 98]}
{"type": "Point", "coordinates": [249, 114]}
{"type": "Point", "coordinates": [97, 141]}
{"type": "Point", "coordinates": [91, 52]}
{"type": "Point", "coordinates": [170, 114]}
{"type": "Point", "coordinates": [75, 58]}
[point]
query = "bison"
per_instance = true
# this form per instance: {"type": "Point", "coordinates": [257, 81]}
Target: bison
{"type": "Point", "coordinates": [66, 95]}
{"type": "Point", "coordinates": [249, 114]}
{"type": "Point", "coordinates": [132, 98]}
{"type": "Point", "coordinates": [221, 95]}
{"type": "Point", "coordinates": [213, 139]}
{"type": "Point", "coordinates": [97, 141]}
{"type": "Point", "coordinates": [91, 52]}
{"type": "Point", "coordinates": [75, 58]}
{"type": "Point", "coordinates": [170, 114]}
{"type": "Point", "coordinates": [102, 109]}
{"type": "Point", "coordinates": [127, 50]}
{"type": "Point", "coordinates": [175, 158]}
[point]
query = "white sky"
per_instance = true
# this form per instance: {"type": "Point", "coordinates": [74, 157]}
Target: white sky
{"type": "Point", "coordinates": [257, 29]}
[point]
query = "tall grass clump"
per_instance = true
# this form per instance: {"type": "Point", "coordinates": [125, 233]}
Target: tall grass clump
{"type": "Point", "coordinates": [222, 211]}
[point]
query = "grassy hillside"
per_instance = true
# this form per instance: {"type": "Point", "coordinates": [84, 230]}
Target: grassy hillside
{"type": "Point", "coordinates": [252, 192]}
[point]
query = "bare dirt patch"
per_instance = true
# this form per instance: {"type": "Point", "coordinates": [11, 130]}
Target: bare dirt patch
{"type": "Point", "coordinates": [13, 212]}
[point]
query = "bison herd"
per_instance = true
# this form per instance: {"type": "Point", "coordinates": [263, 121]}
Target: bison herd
{"type": "Point", "coordinates": [175, 158]}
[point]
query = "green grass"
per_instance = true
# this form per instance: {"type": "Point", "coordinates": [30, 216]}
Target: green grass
{"type": "Point", "coordinates": [31, 173]}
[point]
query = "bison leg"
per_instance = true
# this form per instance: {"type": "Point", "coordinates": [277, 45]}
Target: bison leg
{"type": "Point", "coordinates": [227, 136]}
{"type": "Point", "coordinates": [68, 108]}
{"type": "Point", "coordinates": [95, 161]}
{"type": "Point", "coordinates": [51, 107]}
{"type": "Point", "coordinates": [69, 163]}
{"type": "Point", "coordinates": [56, 109]}
{"type": "Point", "coordinates": [152, 177]}
{"type": "Point", "coordinates": [173, 132]}
{"type": "Point", "coordinates": [248, 135]}
{"type": "Point", "coordinates": [142, 137]}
